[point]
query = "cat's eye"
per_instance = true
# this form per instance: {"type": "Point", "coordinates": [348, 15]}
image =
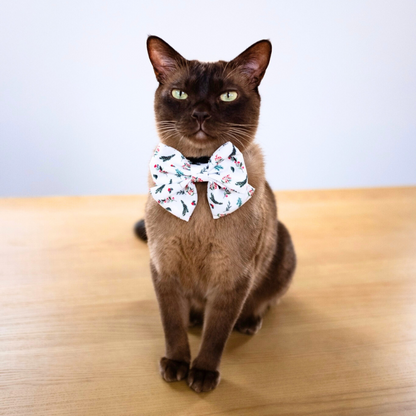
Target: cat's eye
{"type": "Point", "coordinates": [229, 96]}
{"type": "Point", "coordinates": [179, 95]}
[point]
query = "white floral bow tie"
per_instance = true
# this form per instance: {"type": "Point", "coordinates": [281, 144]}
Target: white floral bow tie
{"type": "Point", "coordinates": [174, 177]}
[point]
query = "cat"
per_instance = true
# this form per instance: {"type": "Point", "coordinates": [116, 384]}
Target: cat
{"type": "Point", "coordinates": [223, 273]}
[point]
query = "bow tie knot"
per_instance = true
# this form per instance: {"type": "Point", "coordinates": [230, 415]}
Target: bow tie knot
{"type": "Point", "coordinates": [198, 174]}
{"type": "Point", "coordinates": [175, 177]}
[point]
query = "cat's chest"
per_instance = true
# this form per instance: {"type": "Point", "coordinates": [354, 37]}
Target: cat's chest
{"type": "Point", "coordinates": [196, 259]}
{"type": "Point", "coordinates": [196, 247]}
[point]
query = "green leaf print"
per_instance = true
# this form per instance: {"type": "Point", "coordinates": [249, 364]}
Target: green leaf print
{"type": "Point", "coordinates": [179, 173]}
{"type": "Point", "coordinates": [239, 202]}
{"type": "Point", "coordinates": [233, 152]}
{"type": "Point", "coordinates": [165, 158]}
{"type": "Point", "coordinates": [168, 209]}
{"type": "Point", "coordinates": [211, 197]}
{"type": "Point", "coordinates": [158, 190]}
{"type": "Point", "coordinates": [228, 206]}
{"type": "Point", "coordinates": [232, 168]}
{"type": "Point", "coordinates": [185, 208]}
{"type": "Point", "coordinates": [242, 183]}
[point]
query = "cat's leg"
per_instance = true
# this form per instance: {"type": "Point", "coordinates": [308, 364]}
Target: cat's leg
{"type": "Point", "coordinates": [222, 310]}
{"type": "Point", "coordinates": [174, 310]}
{"type": "Point", "coordinates": [273, 285]}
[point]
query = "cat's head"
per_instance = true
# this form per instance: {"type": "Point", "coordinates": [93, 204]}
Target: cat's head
{"type": "Point", "coordinates": [199, 106]}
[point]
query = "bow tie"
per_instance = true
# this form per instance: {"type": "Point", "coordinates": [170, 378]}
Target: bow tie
{"type": "Point", "coordinates": [175, 176]}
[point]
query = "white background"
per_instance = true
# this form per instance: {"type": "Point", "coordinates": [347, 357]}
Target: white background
{"type": "Point", "coordinates": [76, 89]}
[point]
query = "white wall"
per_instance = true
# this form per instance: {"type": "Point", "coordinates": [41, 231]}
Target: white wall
{"type": "Point", "coordinates": [76, 89]}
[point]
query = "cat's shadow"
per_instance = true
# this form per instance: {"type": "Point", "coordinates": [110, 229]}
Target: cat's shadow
{"type": "Point", "coordinates": [238, 339]}
{"type": "Point", "coordinates": [299, 346]}
{"type": "Point", "coordinates": [299, 342]}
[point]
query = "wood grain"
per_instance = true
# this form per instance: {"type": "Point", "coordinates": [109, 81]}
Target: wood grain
{"type": "Point", "coordinates": [81, 334]}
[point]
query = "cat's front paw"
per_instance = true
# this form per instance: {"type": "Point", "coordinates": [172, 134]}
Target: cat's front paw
{"type": "Point", "coordinates": [249, 325]}
{"type": "Point", "coordinates": [172, 370]}
{"type": "Point", "coordinates": [203, 380]}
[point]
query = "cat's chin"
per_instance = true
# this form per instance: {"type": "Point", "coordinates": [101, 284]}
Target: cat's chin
{"type": "Point", "coordinates": [201, 140]}
{"type": "Point", "coordinates": [199, 144]}
{"type": "Point", "coordinates": [201, 135]}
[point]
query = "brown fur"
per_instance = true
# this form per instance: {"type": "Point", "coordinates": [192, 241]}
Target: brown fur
{"type": "Point", "coordinates": [225, 272]}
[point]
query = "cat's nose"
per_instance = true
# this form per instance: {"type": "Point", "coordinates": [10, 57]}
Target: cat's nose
{"type": "Point", "coordinates": [201, 116]}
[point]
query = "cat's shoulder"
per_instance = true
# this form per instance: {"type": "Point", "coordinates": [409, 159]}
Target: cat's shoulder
{"type": "Point", "coordinates": [254, 160]}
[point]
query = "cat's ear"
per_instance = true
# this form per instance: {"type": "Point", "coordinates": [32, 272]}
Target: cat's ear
{"type": "Point", "coordinates": [254, 61]}
{"type": "Point", "coordinates": [163, 57]}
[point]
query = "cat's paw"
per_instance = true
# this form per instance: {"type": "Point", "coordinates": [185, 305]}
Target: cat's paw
{"type": "Point", "coordinates": [203, 380]}
{"type": "Point", "coordinates": [249, 325]}
{"type": "Point", "coordinates": [172, 370]}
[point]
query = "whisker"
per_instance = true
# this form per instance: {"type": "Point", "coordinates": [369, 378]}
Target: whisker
{"type": "Point", "coordinates": [232, 136]}
{"type": "Point", "coordinates": [165, 122]}
{"type": "Point", "coordinates": [166, 129]}
{"type": "Point", "coordinates": [182, 137]}
{"type": "Point", "coordinates": [241, 133]}
{"type": "Point", "coordinates": [167, 133]}
{"type": "Point", "coordinates": [225, 67]}
{"type": "Point", "coordinates": [241, 125]}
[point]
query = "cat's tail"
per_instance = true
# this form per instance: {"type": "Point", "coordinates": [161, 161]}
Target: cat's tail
{"type": "Point", "coordinates": [140, 230]}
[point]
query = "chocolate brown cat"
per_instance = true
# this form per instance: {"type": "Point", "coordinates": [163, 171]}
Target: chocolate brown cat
{"type": "Point", "coordinates": [224, 272]}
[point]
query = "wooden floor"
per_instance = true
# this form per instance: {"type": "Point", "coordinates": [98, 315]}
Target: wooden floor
{"type": "Point", "coordinates": [80, 332]}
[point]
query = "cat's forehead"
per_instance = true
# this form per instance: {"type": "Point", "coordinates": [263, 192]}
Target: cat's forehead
{"type": "Point", "coordinates": [202, 76]}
